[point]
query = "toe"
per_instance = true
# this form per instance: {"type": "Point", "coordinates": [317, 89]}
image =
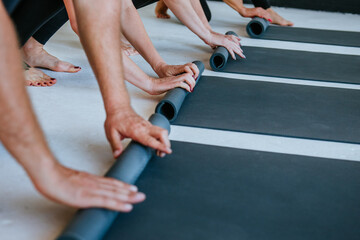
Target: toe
{"type": "Point", "coordinates": [66, 67]}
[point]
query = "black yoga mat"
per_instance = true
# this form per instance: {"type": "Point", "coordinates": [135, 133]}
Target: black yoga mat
{"type": "Point", "coordinates": [207, 192]}
{"type": "Point", "coordinates": [273, 108]}
{"type": "Point", "coordinates": [289, 64]}
{"type": "Point", "coordinates": [260, 28]}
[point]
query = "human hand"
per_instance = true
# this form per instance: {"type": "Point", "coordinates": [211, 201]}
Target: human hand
{"type": "Point", "coordinates": [83, 190]}
{"type": "Point", "coordinates": [255, 12]}
{"type": "Point", "coordinates": [125, 123]}
{"type": "Point", "coordinates": [164, 70]}
{"type": "Point", "coordinates": [161, 85]}
{"type": "Point", "coordinates": [230, 42]}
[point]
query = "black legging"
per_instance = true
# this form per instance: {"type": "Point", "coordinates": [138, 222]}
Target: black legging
{"type": "Point", "coordinates": [265, 4]}
{"type": "Point", "coordinates": [30, 15]}
{"type": "Point", "coordinates": [57, 21]}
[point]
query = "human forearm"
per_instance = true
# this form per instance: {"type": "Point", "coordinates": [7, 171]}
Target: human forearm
{"type": "Point", "coordinates": [135, 75]}
{"type": "Point", "coordinates": [103, 48]}
{"type": "Point", "coordinates": [134, 30]}
{"type": "Point", "coordinates": [185, 12]}
{"type": "Point", "coordinates": [19, 131]}
{"type": "Point", "coordinates": [69, 5]}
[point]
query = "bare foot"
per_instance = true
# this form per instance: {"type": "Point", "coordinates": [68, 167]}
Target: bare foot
{"type": "Point", "coordinates": [36, 78]}
{"type": "Point", "coordinates": [129, 50]}
{"type": "Point", "coordinates": [35, 55]}
{"type": "Point", "coordinates": [277, 19]}
{"type": "Point", "coordinates": [160, 10]}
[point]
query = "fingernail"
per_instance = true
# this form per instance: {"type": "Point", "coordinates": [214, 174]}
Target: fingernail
{"type": "Point", "coordinates": [169, 150]}
{"type": "Point", "coordinates": [128, 207]}
{"type": "Point", "coordinates": [117, 153]}
{"type": "Point", "coordinates": [133, 188]}
{"type": "Point", "coordinates": [269, 20]}
{"type": "Point", "coordinates": [139, 197]}
{"type": "Point", "coordinates": [196, 78]}
{"type": "Point", "coordinates": [193, 76]}
{"type": "Point", "coordinates": [162, 155]}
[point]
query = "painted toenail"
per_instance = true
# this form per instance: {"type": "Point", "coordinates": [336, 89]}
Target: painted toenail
{"type": "Point", "coordinates": [52, 79]}
{"type": "Point", "coordinates": [77, 67]}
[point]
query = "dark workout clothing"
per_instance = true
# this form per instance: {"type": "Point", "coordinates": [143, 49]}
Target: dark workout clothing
{"type": "Point", "coordinates": [54, 16]}
{"type": "Point", "coordinates": [56, 22]}
{"type": "Point", "coordinates": [30, 15]}
{"type": "Point", "coordinates": [265, 4]}
{"type": "Point", "coordinates": [51, 27]}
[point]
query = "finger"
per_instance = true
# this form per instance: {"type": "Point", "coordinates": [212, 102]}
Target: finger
{"type": "Point", "coordinates": [127, 197]}
{"type": "Point", "coordinates": [189, 80]}
{"type": "Point", "coordinates": [187, 69]}
{"type": "Point", "coordinates": [115, 142]}
{"type": "Point", "coordinates": [231, 53]}
{"type": "Point", "coordinates": [160, 154]}
{"type": "Point", "coordinates": [163, 136]}
{"type": "Point", "coordinates": [195, 70]}
{"type": "Point", "coordinates": [183, 85]}
{"type": "Point", "coordinates": [100, 201]}
{"type": "Point", "coordinates": [235, 39]}
{"type": "Point", "coordinates": [155, 144]}
{"type": "Point", "coordinates": [239, 52]}
{"type": "Point", "coordinates": [114, 183]}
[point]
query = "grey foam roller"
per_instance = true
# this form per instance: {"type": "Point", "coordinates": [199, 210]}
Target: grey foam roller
{"type": "Point", "coordinates": [170, 105]}
{"type": "Point", "coordinates": [220, 56]}
{"type": "Point", "coordinates": [257, 27]}
{"type": "Point", "coordinates": [93, 223]}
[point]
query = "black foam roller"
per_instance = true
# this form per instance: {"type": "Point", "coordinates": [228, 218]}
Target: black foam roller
{"type": "Point", "coordinates": [170, 105]}
{"type": "Point", "coordinates": [220, 56]}
{"type": "Point", "coordinates": [257, 27]}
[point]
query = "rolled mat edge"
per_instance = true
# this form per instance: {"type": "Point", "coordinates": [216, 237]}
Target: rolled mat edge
{"type": "Point", "coordinates": [220, 56]}
{"type": "Point", "coordinates": [171, 103]}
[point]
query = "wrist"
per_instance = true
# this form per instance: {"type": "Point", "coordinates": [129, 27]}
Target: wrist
{"type": "Point", "coordinates": [116, 104]}
{"type": "Point", "coordinates": [152, 86]}
{"type": "Point", "coordinates": [39, 168]}
{"type": "Point", "coordinates": [241, 10]}
{"type": "Point", "coordinates": [207, 37]}
{"type": "Point", "coordinates": [159, 66]}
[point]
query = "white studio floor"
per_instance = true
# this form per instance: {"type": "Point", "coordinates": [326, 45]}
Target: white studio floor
{"type": "Point", "coordinates": [72, 115]}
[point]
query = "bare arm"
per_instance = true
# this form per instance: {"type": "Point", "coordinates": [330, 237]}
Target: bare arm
{"type": "Point", "coordinates": [99, 31]}
{"type": "Point", "coordinates": [69, 5]}
{"type": "Point", "coordinates": [20, 133]}
{"type": "Point", "coordinates": [187, 13]}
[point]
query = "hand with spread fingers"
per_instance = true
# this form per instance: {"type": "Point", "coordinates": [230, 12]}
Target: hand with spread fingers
{"type": "Point", "coordinates": [230, 42]}
{"type": "Point", "coordinates": [84, 190]}
{"type": "Point", "coordinates": [125, 123]}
